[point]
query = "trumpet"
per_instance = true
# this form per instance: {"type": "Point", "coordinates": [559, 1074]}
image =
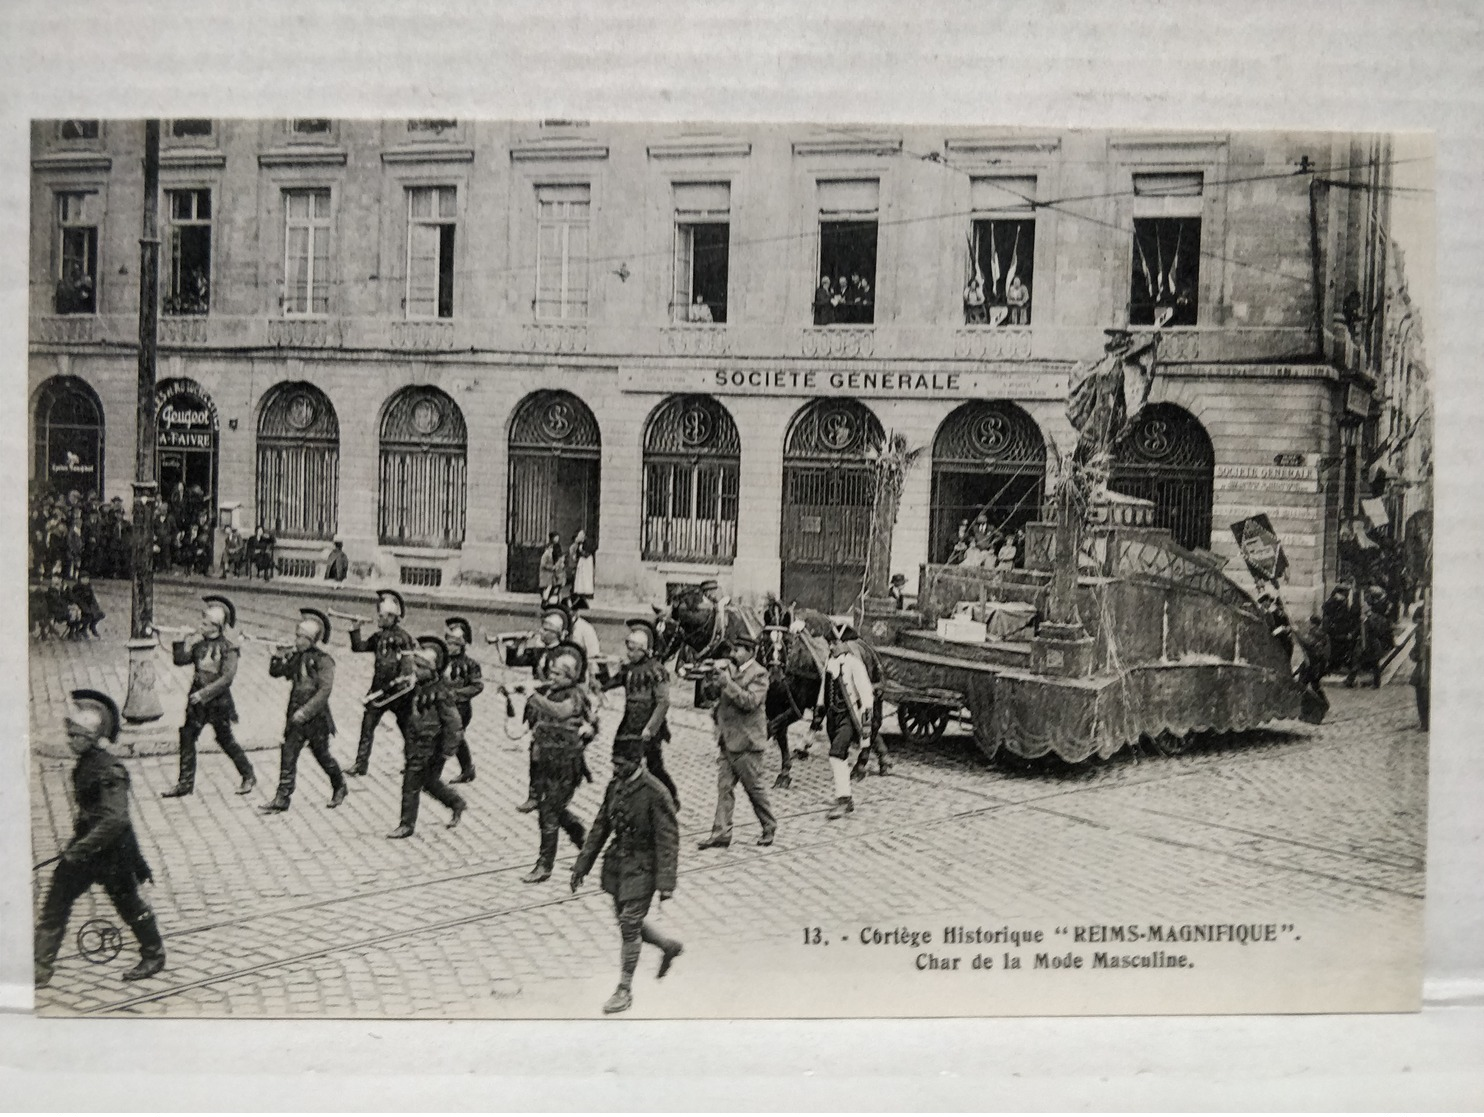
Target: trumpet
{"type": "Point", "coordinates": [358, 622]}
{"type": "Point", "coordinates": [182, 632]}
{"type": "Point", "coordinates": [400, 687]}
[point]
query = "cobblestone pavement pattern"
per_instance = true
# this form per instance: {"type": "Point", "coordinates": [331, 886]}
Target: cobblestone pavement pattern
{"type": "Point", "coordinates": [314, 913]}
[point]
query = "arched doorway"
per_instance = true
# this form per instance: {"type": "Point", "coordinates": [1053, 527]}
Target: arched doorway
{"type": "Point", "coordinates": [828, 489]}
{"type": "Point", "coordinates": [988, 457]}
{"type": "Point", "coordinates": [1167, 458]}
{"type": "Point", "coordinates": [692, 465]}
{"type": "Point", "coordinates": [69, 436]}
{"type": "Point", "coordinates": [423, 473]}
{"type": "Point", "coordinates": [555, 479]}
{"type": "Point", "coordinates": [186, 459]}
{"type": "Point", "coordinates": [298, 463]}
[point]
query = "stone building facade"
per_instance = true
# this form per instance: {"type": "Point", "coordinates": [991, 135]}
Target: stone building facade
{"type": "Point", "coordinates": [441, 339]}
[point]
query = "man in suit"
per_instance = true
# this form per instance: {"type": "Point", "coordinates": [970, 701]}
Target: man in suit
{"type": "Point", "coordinates": [103, 849]}
{"type": "Point", "coordinates": [639, 814]}
{"type": "Point", "coordinates": [214, 654]}
{"type": "Point", "coordinates": [741, 737]}
{"type": "Point", "coordinates": [311, 672]}
{"type": "Point", "coordinates": [389, 643]}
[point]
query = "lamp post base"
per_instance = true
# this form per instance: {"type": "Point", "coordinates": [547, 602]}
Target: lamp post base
{"type": "Point", "coordinates": [143, 703]}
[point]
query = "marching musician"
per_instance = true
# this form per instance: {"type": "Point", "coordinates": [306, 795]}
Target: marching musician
{"type": "Point", "coordinates": [741, 735]}
{"type": "Point", "coordinates": [103, 849]}
{"type": "Point", "coordinates": [430, 735]}
{"type": "Point", "coordinates": [646, 686]}
{"type": "Point", "coordinates": [466, 682]}
{"type": "Point", "coordinates": [214, 653]}
{"type": "Point", "coordinates": [389, 643]}
{"type": "Point", "coordinates": [641, 860]}
{"type": "Point", "coordinates": [556, 622]}
{"type": "Point", "coordinates": [311, 670]}
{"type": "Point", "coordinates": [562, 722]}
{"type": "Point", "coordinates": [848, 702]}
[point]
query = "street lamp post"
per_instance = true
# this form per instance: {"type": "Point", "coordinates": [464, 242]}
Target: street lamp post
{"type": "Point", "coordinates": [143, 703]}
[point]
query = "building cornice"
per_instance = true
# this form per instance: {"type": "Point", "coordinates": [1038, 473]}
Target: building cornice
{"type": "Point", "coordinates": [424, 154]}
{"type": "Point", "coordinates": [73, 161]}
{"type": "Point", "coordinates": [862, 145]}
{"type": "Point", "coordinates": [992, 149]}
{"type": "Point", "coordinates": [303, 157]}
{"type": "Point", "coordinates": [701, 148]}
{"type": "Point", "coordinates": [192, 160]}
{"type": "Point", "coordinates": [557, 150]}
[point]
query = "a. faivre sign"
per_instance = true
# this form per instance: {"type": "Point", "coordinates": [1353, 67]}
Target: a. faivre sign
{"type": "Point", "coordinates": [863, 383]}
{"type": "Point", "coordinates": [186, 423]}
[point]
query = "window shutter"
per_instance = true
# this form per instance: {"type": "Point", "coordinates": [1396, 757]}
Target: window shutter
{"type": "Point", "coordinates": [296, 271]}
{"type": "Point", "coordinates": [684, 242]}
{"type": "Point", "coordinates": [549, 271]}
{"type": "Point", "coordinates": [422, 270]}
{"type": "Point", "coordinates": [576, 271]}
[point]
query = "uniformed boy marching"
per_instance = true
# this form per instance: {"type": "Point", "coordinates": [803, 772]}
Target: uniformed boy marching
{"type": "Point", "coordinates": [639, 815]}
{"type": "Point", "coordinates": [849, 700]}
{"type": "Point", "coordinates": [214, 653]}
{"type": "Point", "coordinates": [562, 723]}
{"type": "Point", "coordinates": [431, 734]}
{"type": "Point", "coordinates": [103, 849]}
{"type": "Point", "coordinates": [556, 623]}
{"type": "Point", "coordinates": [389, 643]}
{"type": "Point", "coordinates": [646, 686]}
{"type": "Point", "coordinates": [466, 681]}
{"type": "Point", "coordinates": [311, 671]}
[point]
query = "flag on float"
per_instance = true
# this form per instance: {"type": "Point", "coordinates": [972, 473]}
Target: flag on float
{"type": "Point", "coordinates": [1144, 266]}
{"type": "Point", "coordinates": [1014, 261]}
{"type": "Point", "coordinates": [994, 264]}
{"type": "Point", "coordinates": [1261, 548]}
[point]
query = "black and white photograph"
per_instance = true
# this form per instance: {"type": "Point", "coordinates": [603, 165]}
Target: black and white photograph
{"type": "Point", "coordinates": [568, 568]}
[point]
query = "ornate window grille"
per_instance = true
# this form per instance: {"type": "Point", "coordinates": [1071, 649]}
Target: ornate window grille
{"type": "Point", "coordinates": [692, 464]}
{"type": "Point", "coordinates": [423, 479]}
{"type": "Point", "coordinates": [298, 463]}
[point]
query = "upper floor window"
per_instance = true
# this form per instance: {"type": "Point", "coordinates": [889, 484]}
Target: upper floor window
{"type": "Point", "coordinates": [848, 214]}
{"type": "Point", "coordinates": [190, 129]}
{"type": "Point", "coordinates": [306, 266]}
{"type": "Point", "coordinates": [1165, 286]}
{"type": "Point", "coordinates": [999, 268]}
{"type": "Point", "coordinates": [431, 127]}
{"type": "Point", "coordinates": [702, 247]}
{"type": "Point", "coordinates": [562, 250]}
{"type": "Point", "coordinates": [78, 130]}
{"type": "Point", "coordinates": [188, 283]}
{"type": "Point", "coordinates": [431, 220]}
{"type": "Point", "coordinates": [77, 254]}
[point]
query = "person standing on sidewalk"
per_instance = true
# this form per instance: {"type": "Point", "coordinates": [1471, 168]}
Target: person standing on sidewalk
{"type": "Point", "coordinates": [551, 574]}
{"type": "Point", "coordinates": [562, 723]}
{"type": "Point", "coordinates": [646, 686]}
{"type": "Point", "coordinates": [466, 682]}
{"type": "Point", "coordinates": [741, 737]}
{"type": "Point", "coordinates": [214, 653]}
{"type": "Point", "coordinates": [431, 734]}
{"type": "Point", "coordinates": [389, 643]}
{"type": "Point", "coordinates": [641, 860]}
{"type": "Point", "coordinates": [103, 849]}
{"type": "Point", "coordinates": [849, 698]}
{"type": "Point", "coordinates": [308, 721]}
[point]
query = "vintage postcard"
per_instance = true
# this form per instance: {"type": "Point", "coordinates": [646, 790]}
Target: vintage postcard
{"type": "Point", "coordinates": [561, 568]}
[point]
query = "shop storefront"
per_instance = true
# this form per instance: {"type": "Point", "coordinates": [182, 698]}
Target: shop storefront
{"type": "Point", "coordinates": [68, 443]}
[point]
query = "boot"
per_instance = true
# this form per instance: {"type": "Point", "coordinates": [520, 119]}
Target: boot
{"type": "Point", "coordinates": [841, 808]}
{"type": "Point", "coordinates": [574, 831]}
{"type": "Point", "coordinates": [401, 832]}
{"type": "Point", "coordinates": [279, 803]}
{"type": "Point", "coordinates": [672, 952]}
{"type": "Point", "coordinates": [186, 783]}
{"type": "Point", "coordinates": [337, 797]}
{"type": "Point", "coordinates": [464, 777]}
{"type": "Point", "coordinates": [458, 813]}
{"type": "Point", "coordinates": [151, 949]}
{"type": "Point", "coordinates": [356, 769]}
{"type": "Point", "coordinates": [621, 1001]}
{"type": "Point", "coordinates": [249, 782]}
{"type": "Point", "coordinates": [544, 861]}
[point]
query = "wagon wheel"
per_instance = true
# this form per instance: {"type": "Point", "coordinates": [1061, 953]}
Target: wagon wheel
{"type": "Point", "coordinates": [921, 722]}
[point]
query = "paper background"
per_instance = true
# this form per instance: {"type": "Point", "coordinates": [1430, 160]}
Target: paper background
{"type": "Point", "coordinates": [1259, 64]}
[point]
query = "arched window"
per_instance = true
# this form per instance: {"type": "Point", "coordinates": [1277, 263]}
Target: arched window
{"type": "Point", "coordinates": [989, 458]}
{"type": "Point", "coordinates": [423, 475]}
{"type": "Point", "coordinates": [69, 436]}
{"type": "Point", "coordinates": [1167, 458]}
{"type": "Point", "coordinates": [692, 458]}
{"type": "Point", "coordinates": [298, 462]}
{"type": "Point", "coordinates": [555, 481]}
{"type": "Point", "coordinates": [828, 490]}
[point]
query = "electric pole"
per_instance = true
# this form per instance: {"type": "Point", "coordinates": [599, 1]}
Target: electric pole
{"type": "Point", "coordinates": [142, 703]}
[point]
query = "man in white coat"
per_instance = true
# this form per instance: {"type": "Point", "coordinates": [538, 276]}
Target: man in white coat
{"type": "Point", "coordinates": [848, 701]}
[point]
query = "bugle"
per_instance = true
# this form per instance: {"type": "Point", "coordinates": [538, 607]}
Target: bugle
{"type": "Point", "coordinates": [358, 622]}
{"type": "Point", "coordinates": [400, 687]}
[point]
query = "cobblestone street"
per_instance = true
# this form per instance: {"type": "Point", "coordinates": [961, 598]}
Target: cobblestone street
{"type": "Point", "coordinates": [314, 913]}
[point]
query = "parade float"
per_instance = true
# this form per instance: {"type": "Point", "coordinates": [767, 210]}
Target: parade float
{"type": "Point", "coordinates": [1110, 634]}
